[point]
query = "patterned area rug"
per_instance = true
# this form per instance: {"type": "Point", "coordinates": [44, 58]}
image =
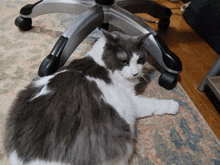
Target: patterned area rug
{"type": "Point", "coordinates": [182, 139]}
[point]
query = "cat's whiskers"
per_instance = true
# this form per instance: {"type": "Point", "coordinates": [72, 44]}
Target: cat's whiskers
{"type": "Point", "coordinates": [144, 78]}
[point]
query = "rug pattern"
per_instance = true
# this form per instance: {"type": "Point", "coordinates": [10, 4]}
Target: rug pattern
{"type": "Point", "coordinates": [182, 139]}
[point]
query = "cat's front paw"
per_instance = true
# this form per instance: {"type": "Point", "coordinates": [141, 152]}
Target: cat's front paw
{"type": "Point", "coordinates": [173, 106]}
{"type": "Point", "coordinates": [167, 106]}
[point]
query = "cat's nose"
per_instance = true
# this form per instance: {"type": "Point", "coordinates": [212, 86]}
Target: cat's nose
{"type": "Point", "coordinates": [135, 74]}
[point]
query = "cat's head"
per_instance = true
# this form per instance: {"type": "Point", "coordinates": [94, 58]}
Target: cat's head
{"type": "Point", "coordinates": [125, 54]}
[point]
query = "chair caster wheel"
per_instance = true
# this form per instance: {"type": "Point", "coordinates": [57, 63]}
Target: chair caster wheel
{"type": "Point", "coordinates": [163, 24]}
{"type": "Point", "coordinates": [168, 80]}
{"type": "Point", "coordinates": [49, 66]}
{"type": "Point", "coordinates": [24, 24]}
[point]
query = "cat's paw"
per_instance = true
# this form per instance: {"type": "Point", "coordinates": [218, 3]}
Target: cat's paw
{"type": "Point", "coordinates": [174, 107]}
{"type": "Point", "coordinates": [167, 107]}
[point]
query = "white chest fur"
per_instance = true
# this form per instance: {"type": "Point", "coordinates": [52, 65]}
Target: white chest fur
{"type": "Point", "coordinates": [119, 95]}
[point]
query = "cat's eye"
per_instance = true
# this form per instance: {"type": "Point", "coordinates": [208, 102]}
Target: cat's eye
{"type": "Point", "coordinates": [141, 60]}
{"type": "Point", "coordinates": [124, 62]}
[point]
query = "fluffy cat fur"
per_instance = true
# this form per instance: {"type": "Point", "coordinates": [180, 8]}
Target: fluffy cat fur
{"type": "Point", "coordinates": [85, 113]}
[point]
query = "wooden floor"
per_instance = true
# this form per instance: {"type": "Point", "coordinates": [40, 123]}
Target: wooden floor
{"type": "Point", "coordinates": [197, 58]}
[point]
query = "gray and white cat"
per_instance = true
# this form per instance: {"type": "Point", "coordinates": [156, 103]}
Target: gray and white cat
{"type": "Point", "coordinates": [85, 113]}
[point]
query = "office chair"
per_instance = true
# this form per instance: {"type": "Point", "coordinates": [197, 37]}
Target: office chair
{"type": "Point", "coordinates": [102, 13]}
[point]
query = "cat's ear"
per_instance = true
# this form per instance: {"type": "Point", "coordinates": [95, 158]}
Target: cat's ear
{"type": "Point", "coordinates": [141, 40]}
{"type": "Point", "coordinates": [143, 37]}
{"type": "Point", "coordinates": [109, 36]}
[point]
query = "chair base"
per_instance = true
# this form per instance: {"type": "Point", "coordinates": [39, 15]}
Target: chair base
{"type": "Point", "coordinates": [93, 15]}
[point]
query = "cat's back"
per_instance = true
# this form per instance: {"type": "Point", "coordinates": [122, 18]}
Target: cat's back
{"type": "Point", "coordinates": [63, 118]}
